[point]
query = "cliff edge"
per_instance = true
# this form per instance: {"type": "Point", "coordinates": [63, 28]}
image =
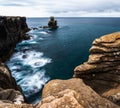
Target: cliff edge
{"type": "Point", "coordinates": [97, 84]}
{"type": "Point", "coordinates": [12, 31]}
{"type": "Point", "coordinates": [102, 70]}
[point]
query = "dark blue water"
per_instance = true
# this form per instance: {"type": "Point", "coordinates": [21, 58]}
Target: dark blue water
{"type": "Point", "coordinates": [54, 54]}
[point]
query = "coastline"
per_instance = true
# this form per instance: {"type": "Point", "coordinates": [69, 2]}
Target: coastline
{"type": "Point", "coordinates": [12, 31]}
{"type": "Point", "coordinates": [48, 90]}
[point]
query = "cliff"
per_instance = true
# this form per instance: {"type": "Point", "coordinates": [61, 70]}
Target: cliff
{"type": "Point", "coordinates": [10, 93]}
{"type": "Point", "coordinates": [72, 93]}
{"type": "Point", "coordinates": [100, 84]}
{"type": "Point", "coordinates": [102, 70]}
{"type": "Point", "coordinates": [12, 31]}
{"type": "Point", "coordinates": [97, 84]}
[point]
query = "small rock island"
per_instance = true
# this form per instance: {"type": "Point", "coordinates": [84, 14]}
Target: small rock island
{"type": "Point", "coordinates": [52, 24]}
{"type": "Point", "coordinates": [96, 83]}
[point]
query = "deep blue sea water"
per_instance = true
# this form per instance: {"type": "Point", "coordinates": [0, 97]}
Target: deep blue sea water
{"type": "Point", "coordinates": [54, 54]}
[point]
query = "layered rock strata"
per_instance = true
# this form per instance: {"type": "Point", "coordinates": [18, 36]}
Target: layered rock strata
{"type": "Point", "coordinates": [102, 70]}
{"type": "Point", "coordinates": [12, 30]}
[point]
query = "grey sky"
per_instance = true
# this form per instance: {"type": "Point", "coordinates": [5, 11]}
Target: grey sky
{"type": "Point", "coordinates": [72, 8]}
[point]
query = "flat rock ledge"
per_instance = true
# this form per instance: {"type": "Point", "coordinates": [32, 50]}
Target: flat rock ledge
{"type": "Point", "coordinates": [102, 70]}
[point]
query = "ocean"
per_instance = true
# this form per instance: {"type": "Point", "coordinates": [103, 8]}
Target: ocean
{"type": "Point", "coordinates": [53, 54]}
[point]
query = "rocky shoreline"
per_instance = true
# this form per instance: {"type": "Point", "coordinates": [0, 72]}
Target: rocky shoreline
{"type": "Point", "coordinates": [12, 31]}
{"type": "Point", "coordinates": [97, 82]}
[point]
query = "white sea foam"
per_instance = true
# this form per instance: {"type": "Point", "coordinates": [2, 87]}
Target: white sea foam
{"type": "Point", "coordinates": [33, 83]}
{"type": "Point", "coordinates": [43, 32]}
{"type": "Point", "coordinates": [14, 67]}
{"type": "Point", "coordinates": [36, 37]}
{"type": "Point", "coordinates": [32, 39]}
{"type": "Point", "coordinates": [32, 58]}
{"type": "Point", "coordinates": [32, 78]}
{"type": "Point", "coordinates": [31, 31]}
{"type": "Point", "coordinates": [35, 59]}
{"type": "Point", "coordinates": [41, 38]}
{"type": "Point", "coordinates": [32, 42]}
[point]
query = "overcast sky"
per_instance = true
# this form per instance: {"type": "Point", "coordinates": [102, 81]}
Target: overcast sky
{"type": "Point", "coordinates": [60, 8]}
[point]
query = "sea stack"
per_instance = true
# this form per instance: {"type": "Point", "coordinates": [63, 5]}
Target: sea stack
{"type": "Point", "coordinates": [52, 23]}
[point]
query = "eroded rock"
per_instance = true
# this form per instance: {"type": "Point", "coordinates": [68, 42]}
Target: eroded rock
{"type": "Point", "coordinates": [72, 93]}
{"type": "Point", "coordinates": [6, 79]}
{"type": "Point", "coordinates": [102, 70]}
{"type": "Point", "coordinates": [52, 23]}
{"type": "Point", "coordinates": [4, 104]}
{"type": "Point", "coordinates": [12, 30]}
{"type": "Point", "coordinates": [9, 90]}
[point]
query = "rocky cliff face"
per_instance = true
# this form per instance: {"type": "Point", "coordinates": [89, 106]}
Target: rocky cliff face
{"type": "Point", "coordinates": [10, 93]}
{"type": "Point", "coordinates": [12, 30]}
{"type": "Point", "coordinates": [101, 73]}
{"type": "Point", "coordinates": [102, 70]}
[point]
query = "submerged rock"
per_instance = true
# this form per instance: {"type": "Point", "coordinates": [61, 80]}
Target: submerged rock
{"type": "Point", "coordinates": [72, 93]}
{"type": "Point", "coordinates": [102, 70]}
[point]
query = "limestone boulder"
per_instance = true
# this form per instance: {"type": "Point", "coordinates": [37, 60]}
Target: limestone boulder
{"type": "Point", "coordinates": [72, 93]}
